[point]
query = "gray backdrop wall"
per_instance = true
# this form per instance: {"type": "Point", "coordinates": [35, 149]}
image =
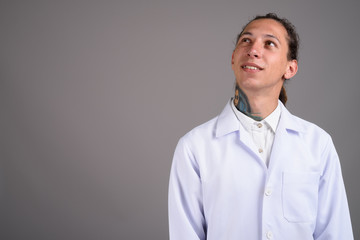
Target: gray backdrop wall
{"type": "Point", "coordinates": [94, 96]}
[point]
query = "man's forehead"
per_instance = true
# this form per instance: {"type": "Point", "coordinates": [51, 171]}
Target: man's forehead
{"type": "Point", "coordinates": [266, 27]}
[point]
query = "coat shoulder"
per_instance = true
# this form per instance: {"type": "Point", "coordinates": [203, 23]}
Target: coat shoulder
{"type": "Point", "coordinates": [203, 131]}
{"type": "Point", "coordinates": [312, 134]}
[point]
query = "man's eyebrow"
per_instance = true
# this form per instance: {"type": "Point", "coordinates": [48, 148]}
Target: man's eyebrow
{"type": "Point", "coordinates": [246, 33]}
{"type": "Point", "coordinates": [272, 36]}
{"type": "Point", "coordinates": [265, 35]}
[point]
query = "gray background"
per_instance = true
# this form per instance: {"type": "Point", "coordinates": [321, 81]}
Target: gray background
{"type": "Point", "coordinates": [94, 96]}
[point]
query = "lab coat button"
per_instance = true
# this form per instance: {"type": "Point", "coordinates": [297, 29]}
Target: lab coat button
{"type": "Point", "coordinates": [260, 150]}
{"type": "Point", "coordinates": [259, 125]}
{"type": "Point", "coordinates": [268, 192]}
{"type": "Point", "coordinates": [269, 235]}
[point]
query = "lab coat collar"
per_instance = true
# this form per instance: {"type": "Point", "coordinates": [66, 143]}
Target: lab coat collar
{"type": "Point", "coordinates": [289, 121]}
{"type": "Point", "coordinates": [227, 121]}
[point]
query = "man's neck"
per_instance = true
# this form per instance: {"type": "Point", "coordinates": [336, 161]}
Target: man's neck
{"type": "Point", "coordinates": [255, 106]}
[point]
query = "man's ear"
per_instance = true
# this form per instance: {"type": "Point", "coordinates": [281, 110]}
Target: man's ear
{"type": "Point", "coordinates": [291, 69]}
{"type": "Point", "coordinates": [232, 59]}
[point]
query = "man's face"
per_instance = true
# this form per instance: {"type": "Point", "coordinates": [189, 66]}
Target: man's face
{"type": "Point", "coordinates": [259, 60]}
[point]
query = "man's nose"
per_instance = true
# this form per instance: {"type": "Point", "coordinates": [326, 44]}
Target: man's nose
{"type": "Point", "coordinates": [254, 51]}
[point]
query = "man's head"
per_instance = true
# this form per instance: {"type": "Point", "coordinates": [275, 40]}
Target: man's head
{"type": "Point", "coordinates": [265, 55]}
{"type": "Point", "coordinates": [293, 37]}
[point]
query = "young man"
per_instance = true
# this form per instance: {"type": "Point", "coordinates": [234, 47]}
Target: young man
{"type": "Point", "coordinates": [256, 171]}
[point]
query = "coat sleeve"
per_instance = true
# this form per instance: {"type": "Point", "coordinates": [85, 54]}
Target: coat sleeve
{"type": "Point", "coordinates": [333, 220]}
{"type": "Point", "coordinates": [186, 217]}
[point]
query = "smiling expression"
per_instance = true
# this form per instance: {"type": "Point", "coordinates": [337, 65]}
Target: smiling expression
{"type": "Point", "coordinates": [260, 61]}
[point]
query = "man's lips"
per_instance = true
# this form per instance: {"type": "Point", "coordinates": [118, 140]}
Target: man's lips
{"type": "Point", "coordinates": [251, 66]}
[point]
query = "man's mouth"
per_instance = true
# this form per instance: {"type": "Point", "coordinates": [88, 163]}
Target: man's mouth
{"type": "Point", "coordinates": [251, 67]}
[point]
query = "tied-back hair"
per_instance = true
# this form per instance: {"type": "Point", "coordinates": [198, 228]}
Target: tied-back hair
{"type": "Point", "coordinates": [292, 39]}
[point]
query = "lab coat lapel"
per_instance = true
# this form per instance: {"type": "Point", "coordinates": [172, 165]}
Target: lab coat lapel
{"type": "Point", "coordinates": [286, 138]}
{"type": "Point", "coordinates": [227, 122]}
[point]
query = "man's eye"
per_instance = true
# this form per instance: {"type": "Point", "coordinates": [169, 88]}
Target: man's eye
{"type": "Point", "coordinates": [270, 43]}
{"type": "Point", "coordinates": [245, 40]}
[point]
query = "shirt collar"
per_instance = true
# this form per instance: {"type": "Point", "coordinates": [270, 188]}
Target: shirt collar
{"type": "Point", "coordinates": [273, 118]}
{"type": "Point", "coordinates": [227, 121]}
{"type": "Point", "coordinates": [271, 121]}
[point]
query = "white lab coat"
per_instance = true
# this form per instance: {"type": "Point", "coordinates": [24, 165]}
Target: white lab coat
{"type": "Point", "coordinates": [220, 188]}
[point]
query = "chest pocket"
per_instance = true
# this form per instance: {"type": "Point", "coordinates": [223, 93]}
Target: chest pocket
{"type": "Point", "coordinates": [300, 196]}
